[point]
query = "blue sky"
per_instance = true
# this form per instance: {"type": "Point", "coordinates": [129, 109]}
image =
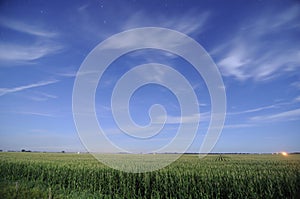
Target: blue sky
{"type": "Point", "coordinates": [255, 45]}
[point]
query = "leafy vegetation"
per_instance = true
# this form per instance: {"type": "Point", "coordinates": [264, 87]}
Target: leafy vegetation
{"type": "Point", "coordinates": [57, 175]}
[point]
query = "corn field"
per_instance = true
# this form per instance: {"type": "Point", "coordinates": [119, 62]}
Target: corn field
{"type": "Point", "coordinates": [55, 175]}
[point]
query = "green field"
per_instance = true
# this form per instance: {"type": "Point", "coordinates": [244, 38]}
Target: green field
{"type": "Point", "coordinates": [58, 175]}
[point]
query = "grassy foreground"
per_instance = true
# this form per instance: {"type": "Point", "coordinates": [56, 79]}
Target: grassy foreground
{"type": "Point", "coordinates": [55, 175]}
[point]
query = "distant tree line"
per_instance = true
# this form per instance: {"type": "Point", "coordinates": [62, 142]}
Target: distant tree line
{"type": "Point", "coordinates": [23, 150]}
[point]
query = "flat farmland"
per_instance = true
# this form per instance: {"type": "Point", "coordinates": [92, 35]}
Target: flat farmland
{"type": "Point", "coordinates": [67, 175]}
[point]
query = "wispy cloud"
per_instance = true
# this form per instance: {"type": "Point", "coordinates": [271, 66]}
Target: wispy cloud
{"type": "Point", "coordinates": [36, 114]}
{"type": "Point", "coordinates": [15, 53]}
{"type": "Point", "coordinates": [73, 73]}
{"type": "Point", "coordinates": [234, 126]}
{"type": "Point", "coordinates": [282, 116]}
{"type": "Point", "coordinates": [296, 85]}
{"type": "Point", "coordinates": [183, 119]}
{"type": "Point", "coordinates": [297, 99]}
{"type": "Point", "coordinates": [255, 109]}
{"type": "Point", "coordinates": [190, 22]}
{"type": "Point", "coordinates": [205, 116]}
{"type": "Point", "coordinates": [278, 105]}
{"type": "Point", "coordinates": [42, 43]}
{"type": "Point", "coordinates": [250, 54]}
{"type": "Point", "coordinates": [4, 91]}
{"type": "Point", "coordinates": [40, 96]}
{"type": "Point", "coordinates": [67, 74]}
{"type": "Point", "coordinates": [27, 28]}
{"type": "Point", "coordinates": [83, 8]}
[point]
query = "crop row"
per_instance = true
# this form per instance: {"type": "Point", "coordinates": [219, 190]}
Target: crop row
{"type": "Point", "coordinates": [186, 178]}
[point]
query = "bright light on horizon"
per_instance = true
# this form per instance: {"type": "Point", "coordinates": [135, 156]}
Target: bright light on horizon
{"type": "Point", "coordinates": [284, 153]}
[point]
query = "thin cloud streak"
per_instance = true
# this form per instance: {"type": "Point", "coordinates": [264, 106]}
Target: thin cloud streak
{"type": "Point", "coordinates": [233, 126]}
{"type": "Point", "coordinates": [26, 28]}
{"type": "Point", "coordinates": [16, 54]}
{"type": "Point", "coordinates": [4, 91]}
{"type": "Point", "coordinates": [283, 116]}
{"type": "Point", "coordinates": [41, 96]}
{"type": "Point", "coordinates": [37, 114]}
{"type": "Point", "coordinates": [254, 110]}
{"type": "Point", "coordinates": [262, 108]}
{"type": "Point", "coordinates": [195, 118]}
